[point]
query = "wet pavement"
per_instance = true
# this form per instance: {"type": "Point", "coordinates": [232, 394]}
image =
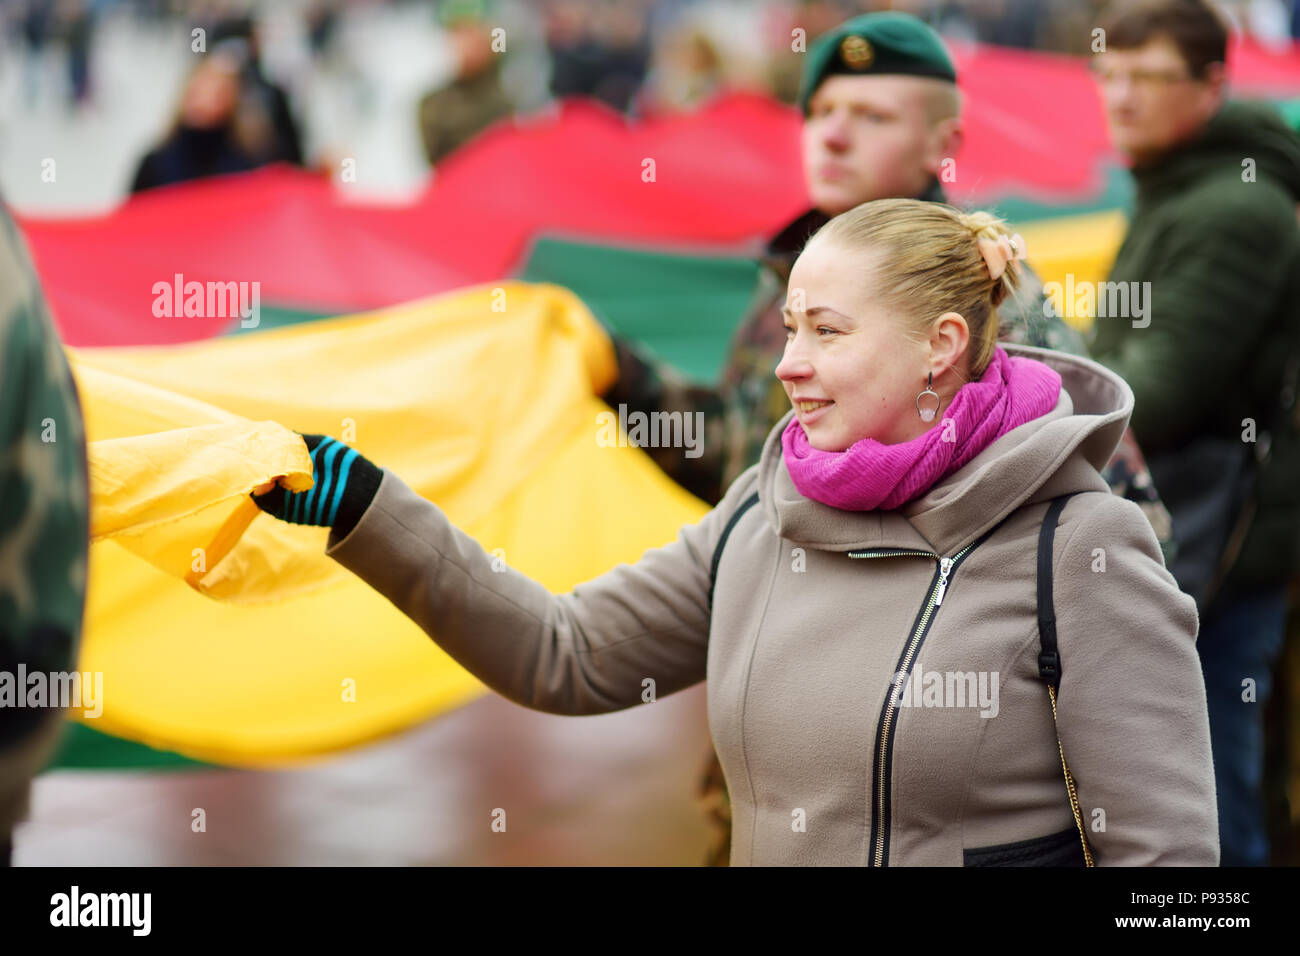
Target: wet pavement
{"type": "Point", "coordinates": [610, 790]}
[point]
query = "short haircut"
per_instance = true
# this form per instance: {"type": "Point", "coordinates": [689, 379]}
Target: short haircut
{"type": "Point", "coordinates": [1193, 26]}
{"type": "Point", "coordinates": [942, 101]}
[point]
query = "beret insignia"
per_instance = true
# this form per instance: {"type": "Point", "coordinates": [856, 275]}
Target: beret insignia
{"type": "Point", "coordinates": [856, 52]}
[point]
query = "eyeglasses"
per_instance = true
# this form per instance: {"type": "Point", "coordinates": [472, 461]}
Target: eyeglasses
{"type": "Point", "coordinates": [1141, 79]}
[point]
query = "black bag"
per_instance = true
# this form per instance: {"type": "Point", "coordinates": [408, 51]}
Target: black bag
{"type": "Point", "coordinates": [1206, 484]}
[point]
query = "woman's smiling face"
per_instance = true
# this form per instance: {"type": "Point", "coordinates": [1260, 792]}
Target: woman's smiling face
{"type": "Point", "coordinates": [844, 348]}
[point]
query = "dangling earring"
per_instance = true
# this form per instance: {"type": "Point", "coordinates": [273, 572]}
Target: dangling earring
{"type": "Point", "coordinates": [927, 414]}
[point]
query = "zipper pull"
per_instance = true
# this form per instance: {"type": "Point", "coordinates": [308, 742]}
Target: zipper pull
{"type": "Point", "coordinates": [945, 566]}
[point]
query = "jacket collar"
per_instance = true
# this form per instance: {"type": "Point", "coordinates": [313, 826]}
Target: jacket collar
{"type": "Point", "coordinates": [1063, 451]}
{"type": "Point", "coordinates": [1238, 129]}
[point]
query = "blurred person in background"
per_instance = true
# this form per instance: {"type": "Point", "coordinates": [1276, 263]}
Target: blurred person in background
{"type": "Point", "coordinates": [262, 101]}
{"type": "Point", "coordinates": [882, 112]}
{"type": "Point", "coordinates": [598, 48]}
{"type": "Point", "coordinates": [36, 19]}
{"type": "Point", "coordinates": [1214, 365]}
{"type": "Point", "coordinates": [322, 23]}
{"type": "Point", "coordinates": [453, 114]}
{"type": "Point", "coordinates": [44, 525]}
{"type": "Point", "coordinates": [77, 26]}
{"type": "Point", "coordinates": [1012, 23]}
{"type": "Point", "coordinates": [785, 64]}
{"type": "Point", "coordinates": [208, 136]}
{"type": "Point", "coordinates": [686, 71]}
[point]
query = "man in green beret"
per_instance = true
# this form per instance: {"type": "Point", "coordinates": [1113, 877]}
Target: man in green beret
{"type": "Point", "coordinates": [882, 113]}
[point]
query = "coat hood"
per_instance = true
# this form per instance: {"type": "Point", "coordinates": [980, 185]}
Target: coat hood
{"type": "Point", "coordinates": [1055, 454]}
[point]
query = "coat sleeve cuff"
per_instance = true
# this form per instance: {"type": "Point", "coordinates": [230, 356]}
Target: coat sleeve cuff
{"type": "Point", "coordinates": [356, 504]}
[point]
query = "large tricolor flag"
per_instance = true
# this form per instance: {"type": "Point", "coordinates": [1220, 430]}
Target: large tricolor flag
{"type": "Point", "coordinates": [460, 341]}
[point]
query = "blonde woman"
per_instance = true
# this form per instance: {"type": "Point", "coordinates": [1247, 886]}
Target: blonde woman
{"type": "Point", "coordinates": [885, 685]}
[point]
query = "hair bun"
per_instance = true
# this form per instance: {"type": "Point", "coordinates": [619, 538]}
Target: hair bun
{"type": "Point", "coordinates": [983, 225]}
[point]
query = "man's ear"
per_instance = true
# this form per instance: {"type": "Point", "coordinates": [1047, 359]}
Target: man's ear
{"type": "Point", "coordinates": [1216, 84]}
{"type": "Point", "coordinates": [946, 138]}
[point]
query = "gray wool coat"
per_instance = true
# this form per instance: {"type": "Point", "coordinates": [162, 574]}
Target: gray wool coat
{"type": "Point", "coordinates": [873, 685]}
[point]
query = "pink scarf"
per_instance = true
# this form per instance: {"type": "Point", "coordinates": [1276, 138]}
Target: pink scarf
{"type": "Point", "coordinates": [869, 475]}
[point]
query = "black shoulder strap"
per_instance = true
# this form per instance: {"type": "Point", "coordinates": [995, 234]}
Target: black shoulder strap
{"type": "Point", "coordinates": [1049, 659]}
{"type": "Point", "coordinates": [722, 541]}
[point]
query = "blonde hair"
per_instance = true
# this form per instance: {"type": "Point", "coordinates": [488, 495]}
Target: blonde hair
{"type": "Point", "coordinates": [928, 262]}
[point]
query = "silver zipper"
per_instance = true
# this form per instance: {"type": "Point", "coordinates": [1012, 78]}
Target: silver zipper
{"type": "Point", "coordinates": [933, 599]}
{"type": "Point", "coordinates": [890, 553]}
{"type": "Point", "coordinates": [945, 568]}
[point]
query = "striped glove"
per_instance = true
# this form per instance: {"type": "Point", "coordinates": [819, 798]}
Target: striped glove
{"type": "Point", "coordinates": [346, 482]}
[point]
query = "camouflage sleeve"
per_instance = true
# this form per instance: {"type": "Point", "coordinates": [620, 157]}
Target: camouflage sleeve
{"type": "Point", "coordinates": [651, 386]}
{"type": "Point", "coordinates": [44, 503]}
{"type": "Point", "coordinates": [1024, 319]}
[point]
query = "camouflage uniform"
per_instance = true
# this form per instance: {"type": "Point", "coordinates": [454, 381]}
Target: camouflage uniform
{"type": "Point", "coordinates": [44, 521]}
{"type": "Point", "coordinates": [749, 400]}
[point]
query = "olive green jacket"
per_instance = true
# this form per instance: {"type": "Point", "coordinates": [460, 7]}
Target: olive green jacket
{"type": "Point", "coordinates": [1214, 252]}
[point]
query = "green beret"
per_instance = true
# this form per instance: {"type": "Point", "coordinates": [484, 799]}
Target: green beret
{"type": "Point", "coordinates": [451, 12]}
{"type": "Point", "coordinates": [872, 44]}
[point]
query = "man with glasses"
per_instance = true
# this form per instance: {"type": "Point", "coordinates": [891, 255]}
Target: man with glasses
{"type": "Point", "coordinates": [1213, 363]}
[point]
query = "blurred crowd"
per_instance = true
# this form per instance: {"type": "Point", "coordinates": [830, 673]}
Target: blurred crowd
{"type": "Point", "coordinates": [242, 101]}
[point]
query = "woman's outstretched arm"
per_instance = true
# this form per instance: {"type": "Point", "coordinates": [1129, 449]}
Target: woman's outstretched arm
{"type": "Point", "coordinates": [592, 650]}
